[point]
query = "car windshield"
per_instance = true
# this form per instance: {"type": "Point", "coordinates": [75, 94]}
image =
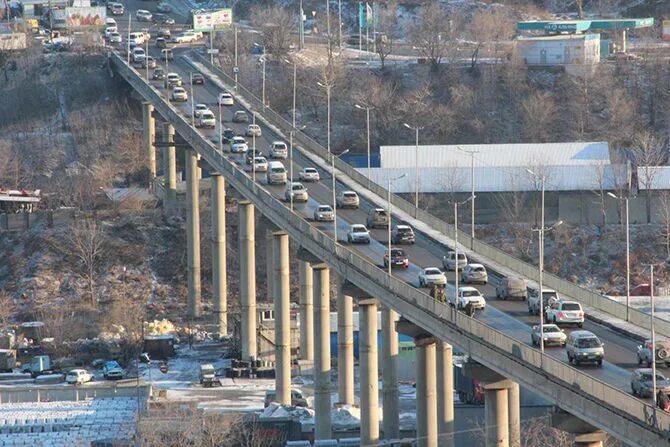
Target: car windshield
{"type": "Point", "coordinates": [280, 146]}
{"type": "Point", "coordinates": [461, 256]}
{"type": "Point", "coordinates": [397, 252]}
{"type": "Point", "coordinates": [404, 231]}
{"type": "Point", "coordinates": [549, 295]}
{"type": "Point", "coordinates": [310, 170]}
{"type": "Point", "coordinates": [433, 272]}
{"type": "Point", "coordinates": [571, 306]}
{"type": "Point", "coordinates": [298, 187]}
{"type": "Point", "coordinates": [260, 160]}
{"type": "Point", "coordinates": [470, 293]}
{"type": "Point", "coordinates": [238, 140]}
{"type": "Point", "coordinates": [646, 377]}
{"type": "Point", "coordinates": [380, 212]}
{"type": "Point", "coordinates": [324, 208]}
{"type": "Point", "coordinates": [590, 342]}
{"type": "Point", "coordinates": [479, 269]}
{"type": "Point", "coordinates": [349, 195]}
{"type": "Point", "coordinates": [208, 115]}
{"type": "Point", "coordinates": [358, 229]}
{"type": "Point", "coordinates": [278, 170]}
{"type": "Point", "coordinates": [549, 329]}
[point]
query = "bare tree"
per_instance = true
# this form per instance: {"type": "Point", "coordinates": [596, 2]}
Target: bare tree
{"type": "Point", "coordinates": [275, 24]}
{"type": "Point", "coordinates": [664, 214]}
{"type": "Point", "coordinates": [7, 308]}
{"type": "Point", "coordinates": [600, 180]}
{"type": "Point", "coordinates": [648, 152]}
{"type": "Point", "coordinates": [538, 111]}
{"type": "Point", "coordinates": [387, 28]}
{"type": "Point", "coordinates": [429, 33]}
{"type": "Point", "coordinates": [490, 27]}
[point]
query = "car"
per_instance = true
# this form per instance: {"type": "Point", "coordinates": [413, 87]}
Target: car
{"type": "Point", "coordinates": [309, 175]}
{"type": "Point", "coordinates": [167, 54]}
{"type": "Point", "coordinates": [297, 398]}
{"type": "Point", "coordinates": [378, 217]}
{"type": "Point", "coordinates": [296, 190]}
{"type": "Point", "coordinates": [228, 135]}
{"type": "Point", "coordinates": [78, 376]}
{"type": "Point", "coordinates": [112, 370]}
{"type": "Point", "coordinates": [642, 385]}
{"type": "Point", "coordinates": [358, 234]}
{"type": "Point", "coordinates": [160, 42]}
{"type": "Point", "coordinates": [260, 164]}
{"type": "Point", "coordinates": [165, 33]}
{"type": "Point", "coordinates": [116, 9]}
{"type": "Point", "coordinates": [553, 335]}
{"type": "Point", "coordinates": [662, 355]}
{"type": "Point", "coordinates": [468, 295]}
{"type": "Point", "coordinates": [449, 261]}
{"type": "Point", "coordinates": [347, 199]}
{"type": "Point", "coordinates": [549, 297]}
{"type": "Point", "coordinates": [431, 276]}
{"type": "Point", "coordinates": [137, 54]}
{"type": "Point", "coordinates": [149, 62]}
{"type": "Point", "coordinates": [278, 149]}
{"type": "Point", "coordinates": [226, 99]}
{"type": "Point", "coordinates": [163, 7]}
{"type": "Point", "coordinates": [474, 274]}
{"type": "Point", "coordinates": [402, 234]}
{"type": "Point", "coordinates": [158, 74]}
{"type": "Point", "coordinates": [115, 38]}
{"type": "Point", "coordinates": [186, 37]}
{"type": "Point", "coordinates": [240, 116]}
{"type": "Point", "coordinates": [276, 173]}
{"type": "Point", "coordinates": [162, 18]}
{"type": "Point", "coordinates": [173, 80]}
{"type": "Point", "coordinates": [142, 15]}
{"type": "Point", "coordinates": [512, 287]}
{"type": "Point", "coordinates": [179, 94]}
{"type": "Point", "coordinates": [565, 312]}
{"type": "Point", "coordinates": [109, 30]}
{"type": "Point", "coordinates": [199, 108]}
{"type": "Point", "coordinates": [253, 130]}
{"type": "Point", "coordinates": [206, 119]}
{"type": "Point", "coordinates": [197, 79]}
{"type": "Point", "coordinates": [584, 346]}
{"type": "Point", "coordinates": [251, 154]}
{"type": "Point", "coordinates": [238, 145]}
{"type": "Point", "coordinates": [109, 21]}
{"type": "Point", "coordinates": [398, 258]}
{"type": "Point", "coordinates": [324, 213]}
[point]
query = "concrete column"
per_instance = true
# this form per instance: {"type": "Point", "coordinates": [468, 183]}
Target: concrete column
{"type": "Point", "coordinates": [514, 414]}
{"type": "Point", "coordinates": [390, 395]}
{"type": "Point", "coordinates": [269, 270]}
{"type": "Point", "coordinates": [345, 348]}
{"type": "Point", "coordinates": [219, 275]}
{"type": "Point", "coordinates": [169, 168]}
{"type": "Point", "coordinates": [623, 41]}
{"type": "Point", "coordinates": [193, 234]}
{"type": "Point", "coordinates": [426, 393]}
{"type": "Point", "coordinates": [306, 311]}
{"type": "Point", "coordinates": [282, 317]}
{"type": "Point", "coordinates": [247, 230]}
{"type": "Point", "coordinates": [445, 394]}
{"type": "Point", "coordinates": [496, 416]}
{"type": "Point", "coordinates": [322, 423]}
{"type": "Point", "coordinates": [149, 124]}
{"type": "Point", "coordinates": [367, 311]}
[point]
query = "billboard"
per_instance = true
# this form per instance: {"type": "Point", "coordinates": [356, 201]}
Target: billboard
{"type": "Point", "coordinates": [84, 17]}
{"type": "Point", "coordinates": [212, 19]}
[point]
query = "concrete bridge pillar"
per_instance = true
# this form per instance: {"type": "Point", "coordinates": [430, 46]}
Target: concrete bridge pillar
{"type": "Point", "coordinates": [514, 414]}
{"type": "Point", "coordinates": [247, 238]}
{"type": "Point", "coordinates": [306, 276]}
{"type": "Point", "coordinates": [193, 234]}
{"type": "Point", "coordinates": [149, 125]}
{"type": "Point", "coordinates": [322, 404]}
{"type": "Point", "coordinates": [282, 317]}
{"type": "Point", "coordinates": [496, 414]}
{"type": "Point", "coordinates": [426, 392]}
{"type": "Point", "coordinates": [445, 394]}
{"type": "Point", "coordinates": [169, 168]}
{"type": "Point", "coordinates": [390, 395]}
{"type": "Point", "coordinates": [345, 348]}
{"type": "Point", "coordinates": [219, 279]}
{"type": "Point", "coordinates": [586, 435]}
{"type": "Point", "coordinates": [269, 270]}
{"type": "Point", "coordinates": [367, 311]}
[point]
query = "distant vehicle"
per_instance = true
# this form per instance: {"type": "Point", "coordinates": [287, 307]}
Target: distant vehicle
{"type": "Point", "coordinates": [206, 120]}
{"type": "Point", "coordinates": [276, 173]}
{"type": "Point", "coordinates": [208, 376]}
{"type": "Point", "coordinates": [228, 135]}
{"type": "Point", "coordinates": [197, 79]}
{"type": "Point", "coordinates": [162, 18]}
{"type": "Point", "coordinates": [642, 385]}
{"type": "Point", "coordinates": [450, 263]}
{"type": "Point", "coordinates": [297, 398]}
{"type": "Point", "coordinates": [309, 175]}
{"type": "Point", "coordinates": [251, 154]}
{"type": "Point", "coordinates": [165, 33]}
{"type": "Point", "coordinates": [474, 274]}
{"type": "Point", "coordinates": [260, 164]}
{"type": "Point", "coordinates": [164, 7]}
{"type": "Point", "coordinates": [398, 258]}
{"type": "Point", "coordinates": [113, 371]}
{"type": "Point", "coordinates": [378, 218]}
{"type": "Point", "coordinates": [430, 276]}
{"type": "Point", "coordinates": [240, 116]}
{"type": "Point", "coordinates": [115, 38]}
{"type": "Point", "coordinates": [584, 346]}
{"type": "Point", "coordinates": [167, 54]}
{"type": "Point", "coordinates": [78, 376]}
{"type": "Point", "coordinates": [468, 295]}
{"type": "Point", "coordinates": [553, 335]}
{"type": "Point", "coordinates": [142, 15]}
{"type": "Point", "coordinates": [296, 190]}
{"type": "Point", "coordinates": [109, 21]}
{"type": "Point", "coordinates": [226, 99]}
{"type": "Point", "coordinates": [238, 145]}
{"type": "Point", "coordinates": [173, 80]}
{"type": "Point", "coordinates": [358, 234]}
{"type": "Point", "coordinates": [278, 149]}
{"type": "Point", "coordinates": [549, 297]}
{"type": "Point", "coordinates": [148, 62]}
{"type": "Point", "coordinates": [470, 391]}
{"type": "Point", "coordinates": [109, 30]}
{"type": "Point", "coordinates": [116, 9]}
{"type": "Point", "coordinates": [161, 42]}
{"type": "Point", "coordinates": [199, 108]}
{"type": "Point", "coordinates": [662, 352]}
{"type": "Point", "coordinates": [509, 287]}
{"type": "Point", "coordinates": [39, 365]}
{"type": "Point", "coordinates": [179, 94]}
{"type": "Point", "coordinates": [138, 54]}
{"type": "Point", "coordinates": [565, 312]}
{"type": "Point", "coordinates": [253, 130]}
{"type": "Point", "coordinates": [347, 199]}
{"type": "Point", "coordinates": [402, 234]}
{"type": "Point", "coordinates": [185, 37]}
{"type": "Point", "coordinates": [324, 213]}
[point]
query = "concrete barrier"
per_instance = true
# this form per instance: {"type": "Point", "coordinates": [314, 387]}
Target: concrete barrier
{"type": "Point", "coordinates": [72, 393]}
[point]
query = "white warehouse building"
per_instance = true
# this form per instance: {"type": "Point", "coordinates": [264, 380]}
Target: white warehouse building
{"type": "Point", "coordinates": [562, 49]}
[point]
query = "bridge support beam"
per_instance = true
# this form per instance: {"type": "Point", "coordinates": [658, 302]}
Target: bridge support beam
{"type": "Point", "coordinates": [586, 435]}
{"type": "Point", "coordinates": [445, 394]}
{"type": "Point", "coordinates": [169, 169]}
{"type": "Point", "coordinates": [322, 404]}
{"type": "Point", "coordinates": [426, 392]}
{"type": "Point", "coordinates": [345, 348]}
{"type": "Point", "coordinates": [306, 276]}
{"type": "Point", "coordinates": [390, 395]}
{"type": "Point", "coordinates": [193, 233]}
{"type": "Point", "coordinates": [247, 239]}
{"type": "Point", "coordinates": [149, 127]}
{"type": "Point", "coordinates": [367, 311]}
{"type": "Point", "coordinates": [282, 317]}
{"type": "Point", "coordinates": [219, 275]}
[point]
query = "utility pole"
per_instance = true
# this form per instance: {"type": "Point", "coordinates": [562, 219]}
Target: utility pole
{"type": "Point", "coordinates": [302, 28]}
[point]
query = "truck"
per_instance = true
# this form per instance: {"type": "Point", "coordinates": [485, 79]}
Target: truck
{"type": "Point", "coordinates": [470, 391]}
{"type": "Point", "coordinates": [39, 365]}
{"type": "Point", "coordinates": [208, 377]}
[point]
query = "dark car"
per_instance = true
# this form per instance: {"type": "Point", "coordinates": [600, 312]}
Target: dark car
{"type": "Point", "coordinates": [197, 78]}
{"type": "Point", "coordinates": [159, 74]}
{"type": "Point", "coordinates": [402, 234]}
{"type": "Point", "coordinates": [164, 33]}
{"type": "Point", "coordinates": [162, 18]}
{"type": "Point", "coordinates": [250, 155]}
{"type": "Point", "coordinates": [228, 135]}
{"type": "Point", "coordinates": [398, 258]}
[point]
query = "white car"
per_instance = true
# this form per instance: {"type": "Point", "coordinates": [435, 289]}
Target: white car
{"type": "Point", "coordinates": [199, 108]}
{"type": "Point", "coordinates": [109, 30]}
{"type": "Point", "coordinates": [449, 261]}
{"type": "Point", "coordinates": [115, 38]}
{"type": "Point", "coordinates": [358, 234]}
{"type": "Point", "coordinates": [324, 213]}
{"type": "Point", "coordinates": [565, 312]}
{"type": "Point", "coordinates": [206, 119]}
{"type": "Point", "coordinates": [278, 149]}
{"type": "Point", "coordinates": [431, 275]}
{"type": "Point", "coordinates": [553, 335]}
{"type": "Point", "coordinates": [309, 175]}
{"type": "Point", "coordinates": [226, 99]}
{"type": "Point", "coordinates": [78, 376]}
{"type": "Point", "coordinates": [260, 164]}
{"type": "Point", "coordinates": [238, 145]}
{"type": "Point", "coordinates": [347, 199]}
{"type": "Point", "coordinates": [109, 21]}
{"type": "Point", "coordinates": [474, 273]}
{"type": "Point", "coordinates": [179, 94]}
{"type": "Point", "coordinates": [296, 190]}
{"type": "Point", "coordinates": [142, 15]}
{"type": "Point", "coordinates": [173, 79]}
{"type": "Point", "coordinates": [185, 37]}
{"type": "Point", "coordinates": [253, 130]}
{"type": "Point", "coordinates": [468, 295]}
{"type": "Point", "coordinates": [138, 54]}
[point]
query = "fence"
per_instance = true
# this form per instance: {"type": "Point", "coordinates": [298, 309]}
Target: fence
{"type": "Point", "coordinates": [74, 393]}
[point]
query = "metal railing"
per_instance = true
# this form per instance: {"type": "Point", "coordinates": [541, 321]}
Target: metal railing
{"type": "Point", "coordinates": [597, 402]}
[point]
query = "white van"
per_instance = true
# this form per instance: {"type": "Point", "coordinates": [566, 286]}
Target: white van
{"type": "Point", "coordinates": [276, 173]}
{"type": "Point", "coordinates": [136, 38]}
{"type": "Point", "coordinates": [584, 346]}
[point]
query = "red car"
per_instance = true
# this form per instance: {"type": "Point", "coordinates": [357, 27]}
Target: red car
{"type": "Point", "coordinates": [398, 258]}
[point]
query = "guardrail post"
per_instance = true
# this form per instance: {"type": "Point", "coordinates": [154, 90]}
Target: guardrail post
{"type": "Point", "coordinates": [149, 125]}
{"type": "Point", "coordinates": [445, 394]}
{"type": "Point", "coordinates": [219, 271]}
{"type": "Point", "coordinates": [282, 317]}
{"type": "Point", "coordinates": [193, 233]}
{"type": "Point", "coordinates": [345, 347]}
{"type": "Point", "coordinates": [367, 311]}
{"type": "Point", "coordinates": [322, 402]}
{"type": "Point", "coordinates": [247, 230]}
{"type": "Point", "coordinates": [390, 395]}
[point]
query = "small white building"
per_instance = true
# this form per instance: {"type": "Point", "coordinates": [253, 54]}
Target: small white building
{"type": "Point", "coordinates": [562, 49]}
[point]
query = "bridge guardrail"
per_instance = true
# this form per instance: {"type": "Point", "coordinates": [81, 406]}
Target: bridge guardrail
{"type": "Point", "coordinates": [567, 288]}
{"type": "Point", "coordinates": [399, 294]}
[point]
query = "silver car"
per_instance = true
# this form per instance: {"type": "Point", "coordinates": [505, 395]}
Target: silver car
{"type": "Point", "coordinates": [474, 273]}
{"type": "Point", "coordinates": [358, 234]}
{"type": "Point", "coordinates": [297, 191]}
{"type": "Point", "coordinates": [449, 261]}
{"type": "Point", "coordinates": [324, 213]}
{"type": "Point", "coordinates": [347, 199]}
{"type": "Point", "coordinates": [641, 383]}
{"type": "Point", "coordinates": [553, 335]}
{"type": "Point", "coordinates": [378, 218]}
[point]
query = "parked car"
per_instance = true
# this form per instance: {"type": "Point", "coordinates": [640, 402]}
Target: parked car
{"type": "Point", "coordinates": [179, 94]}
{"type": "Point", "coordinates": [142, 15]}
{"type": "Point", "coordinates": [553, 335]}
{"type": "Point", "coordinates": [468, 295]}
{"type": "Point", "coordinates": [450, 263]}
{"type": "Point", "coordinates": [296, 190]}
{"type": "Point", "coordinates": [259, 164]}
{"type": "Point", "coordinates": [253, 130]}
{"type": "Point", "coordinates": [584, 346]}
{"type": "Point", "coordinates": [378, 217]}
{"type": "Point", "coordinates": [662, 355]}
{"type": "Point", "coordinates": [510, 287]}
{"type": "Point", "coordinates": [565, 312]}
{"type": "Point", "coordinates": [78, 376]}
{"type": "Point", "coordinates": [430, 276]}
{"type": "Point", "coordinates": [642, 385]}
{"type": "Point", "coordinates": [549, 297]}
{"type": "Point", "coordinates": [228, 135]}
{"type": "Point", "coordinates": [347, 199]}
{"type": "Point", "coordinates": [278, 149]}
{"type": "Point", "coordinates": [309, 175]}
{"type": "Point", "coordinates": [474, 273]}
{"type": "Point", "coordinates": [240, 116]}
{"type": "Point", "coordinates": [112, 370]}
{"type": "Point", "coordinates": [276, 173]}
{"type": "Point", "coordinates": [324, 213]}
{"type": "Point", "coordinates": [206, 119]}
{"type": "Point", "coordinates": [226, 99]}
{"type": "Point", "coordinates": [297, 398]}
{"type": "Point", "coordinates": [200, 108]}
{"type": "Point", "coordinates": [398, 258]}
{"type": "Point", "coordinates": [238, 145]}
{"type": "Point", "coordinates": [197, 79]}
{"type": "Point", "coordinates": [402, 234]}
{"type": "Point", "coordinates": [358, 234]}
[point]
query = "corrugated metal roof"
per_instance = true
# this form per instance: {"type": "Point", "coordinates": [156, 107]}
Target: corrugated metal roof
{"type": "Point", "coordinates": [657, 177]}
{"type": "Point", "coordinates": [497, 155]}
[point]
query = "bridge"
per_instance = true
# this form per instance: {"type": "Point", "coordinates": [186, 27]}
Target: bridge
{"type": "Point", "coordinates": [596, 400]}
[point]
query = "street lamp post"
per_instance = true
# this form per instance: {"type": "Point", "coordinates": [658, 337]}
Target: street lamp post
{"type": "Point", "coordinates": [327, 87]}
{"type": "Point", "coordinates": [367, 113]}
{"type": "Point", "coordinates": [625, 200]}
{"type": "Point", "coordinates": [301, 44]}
{"type": "Point", "coordinates": [416, 167]}
{"type": "Point", "coordinates": [253, 147]}
{"type": "Point", "coordinates": [220, 129]}
{"type": "Point", "coordinates": [456, 278]}
{"type": "Point", "coordinates": [190, 77]}
{"type": "Point", "coordinates": [472, 193]}
{"type": "Point", "coordinates": [388, 203]}
{"type": "Point", "coordinates": [332, 157]}
{"type": "Point", "coordinates": [262, 59]}
{"type": "Point", "coordinates": [236, 67]}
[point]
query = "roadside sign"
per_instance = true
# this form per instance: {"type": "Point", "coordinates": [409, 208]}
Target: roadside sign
{"type": "Point", "coordinates": [236, 69]}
